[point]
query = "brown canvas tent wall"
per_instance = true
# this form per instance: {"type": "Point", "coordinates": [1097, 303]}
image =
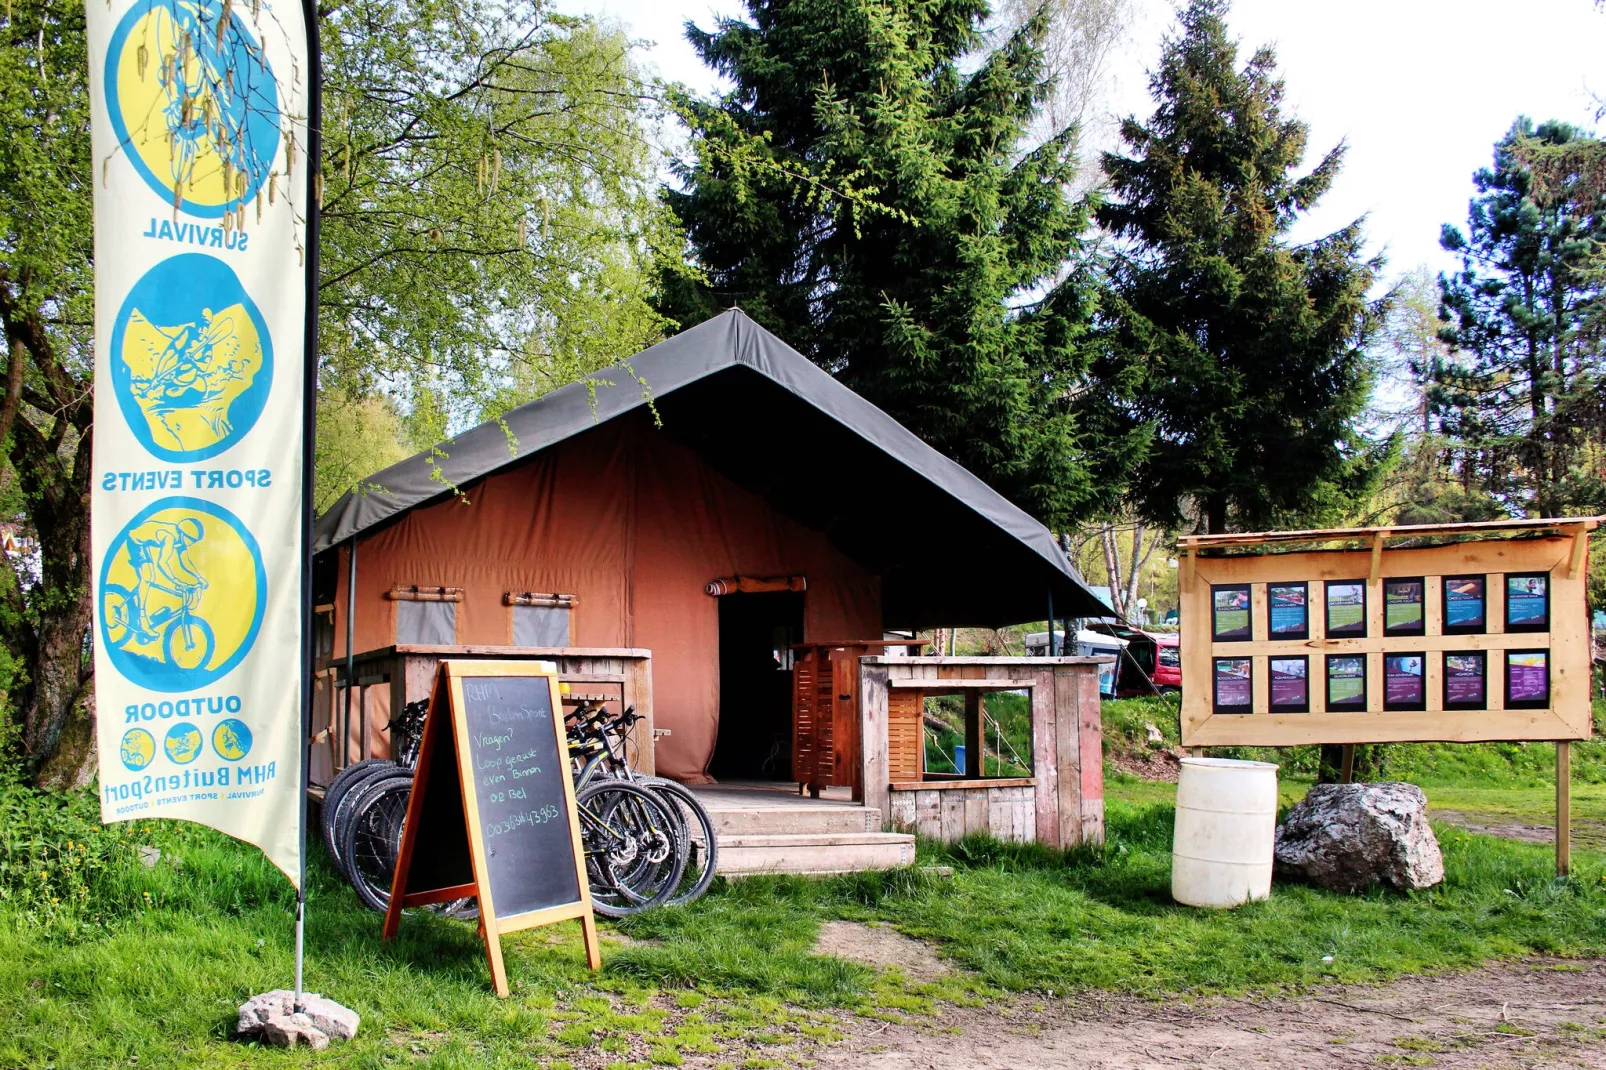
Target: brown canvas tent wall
{"type": "Point", "coordinates": [747, 459]}
{"type": "Point", "coordinates": [635, 525]}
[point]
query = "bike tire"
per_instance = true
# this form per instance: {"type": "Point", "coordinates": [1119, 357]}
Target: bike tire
{"type": "Point", "coordinates": [176, 628]}
{"type": "Point", "coordinates": [337, 804]}
{"type": "Point", "coordinates": [702, 839]}
{"type": "Point", "coordinates": [371, 839]}
{"type": "Point", "coordinates": [119, 629]}
{"type": "Point", "coordinates": [635, 852]}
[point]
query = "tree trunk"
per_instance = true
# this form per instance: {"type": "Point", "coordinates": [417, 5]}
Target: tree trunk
{"type": "Point", "coordinates": [58, 707]}
{"type": "Point", "coordinates": [1216, 514]}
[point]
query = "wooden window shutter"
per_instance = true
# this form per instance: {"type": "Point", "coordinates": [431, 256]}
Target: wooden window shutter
{"type": "Point", "coordinates": [906, 711]}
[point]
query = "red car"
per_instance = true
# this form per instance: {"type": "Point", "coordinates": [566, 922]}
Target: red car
{"type": "Point", "coordinates": [1168, 662]}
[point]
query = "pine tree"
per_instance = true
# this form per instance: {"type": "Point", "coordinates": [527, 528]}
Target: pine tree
{"type": "Point", "coordinates": [1524, 402]}
{"type": "Point", "coordinates": [1244, 352]}
{"type": "Point", "coordinates": [956, 298]}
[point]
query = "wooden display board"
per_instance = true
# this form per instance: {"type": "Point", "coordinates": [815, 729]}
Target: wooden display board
{"type": "Point", "coordinates": [1395, 656]}
{"type": "Point", "coordinates": [492, 813]}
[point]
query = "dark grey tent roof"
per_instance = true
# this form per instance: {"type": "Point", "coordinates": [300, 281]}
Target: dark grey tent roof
{"type": "Point", "coordinates": [950, 549]}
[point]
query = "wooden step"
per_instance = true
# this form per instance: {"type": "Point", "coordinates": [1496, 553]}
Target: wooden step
{"type": "Point", "coordinates": [820, 819]}
{"type": "Point", "coordinates": [814, 853]}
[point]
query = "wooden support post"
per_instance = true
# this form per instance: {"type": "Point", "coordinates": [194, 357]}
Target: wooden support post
{"type": "Point", "coordinates": [1377, 556]}
{"type": "Point", "coordinates": [974, 737]}
{"type": "Point", "coordinates": [1347, 772]}
{"type": "Point", "coordinates": [1564, 816]}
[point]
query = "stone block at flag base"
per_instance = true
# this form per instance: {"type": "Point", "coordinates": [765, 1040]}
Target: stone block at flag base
{"type": "Point", "coordinates": [273, 1019]}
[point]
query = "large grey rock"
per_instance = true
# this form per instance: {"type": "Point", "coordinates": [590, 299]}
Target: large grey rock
{"type": "Point", "coordinates": [1352, 837]}
{"type": "Point", "coordinates": [272, 1018]}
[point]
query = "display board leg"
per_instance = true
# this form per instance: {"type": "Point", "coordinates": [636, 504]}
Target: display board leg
{"type": "Point", "coordinates": [1346, 773]}
{"type": "Point", "coordinates": [493, 955]}
{"type": "Point", "coordinates": [1564, 815]}
{"type": "Point", "coordinates": [588, 932]}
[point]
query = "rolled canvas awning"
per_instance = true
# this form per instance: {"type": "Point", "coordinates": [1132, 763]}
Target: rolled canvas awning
{"type": "Point", "coordinates": [951, 551]}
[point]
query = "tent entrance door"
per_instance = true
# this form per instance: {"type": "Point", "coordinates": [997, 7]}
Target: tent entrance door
{"type": "Point", "coordinates": [756, 633]}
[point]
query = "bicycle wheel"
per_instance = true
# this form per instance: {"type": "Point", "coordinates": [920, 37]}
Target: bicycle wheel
{"type": "Point", "coordinates": [188, 644]}
{"type": "Point", "coordinates": [338, 803]}
{"type": "Point", "coordinates": [371, 839]}
{"type": "Point", "coordinates": [702, 839]}
{"type": "Point", "coordinates": [635, 853]}
{"type": "Point", "coordinates": [117, 613]}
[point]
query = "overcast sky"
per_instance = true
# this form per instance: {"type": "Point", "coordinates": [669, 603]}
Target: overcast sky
{"type": "Point", "coordinates": [1420, 89]}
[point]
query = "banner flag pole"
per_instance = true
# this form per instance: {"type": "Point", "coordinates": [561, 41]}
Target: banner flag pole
{"type": "Point", "coordinates": [309, 404]}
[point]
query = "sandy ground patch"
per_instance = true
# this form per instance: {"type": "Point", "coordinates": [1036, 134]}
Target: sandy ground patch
{"type": "Point", "coordinates": [1518, 1015]}
{"type": "Point", "coordinates": [880, 946]}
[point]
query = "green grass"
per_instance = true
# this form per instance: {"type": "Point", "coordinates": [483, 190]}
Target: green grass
{"type": "Point", "coordinates": [103, 960]}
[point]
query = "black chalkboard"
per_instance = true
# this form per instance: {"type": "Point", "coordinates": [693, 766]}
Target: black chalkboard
{"type": "Point", "coordinates": [492, 813]}
{"type": "Point", "coordinates": [523, 819]}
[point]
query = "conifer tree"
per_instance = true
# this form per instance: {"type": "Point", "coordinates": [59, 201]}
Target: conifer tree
{"type": "Point", "coordinates": [954, 296]}
{"type": "Point", "coordinates": [1524, 401]}
{"type": "Point", "coordinates": [1243, 351]}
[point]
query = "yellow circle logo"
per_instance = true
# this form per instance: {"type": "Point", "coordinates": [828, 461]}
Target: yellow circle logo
{"type": "Point", "coordinates": [182, 593]}
{"type": "Point", "coordinates": [194, 103]}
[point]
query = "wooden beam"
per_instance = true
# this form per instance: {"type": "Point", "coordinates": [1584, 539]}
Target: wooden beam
{"type": "Point", "coordinates": [1346, 773]}
{"type": "Point", "coordinates": [1564, 814]}
{"type": "Point", "coordinates": [1488, 527]}
{"type": "Point", "coordinates": [1377, 556]}
{"type": "Point", "coordinates": [1580, 553]}
{"type": "Point", "coordinates": [937, 687]}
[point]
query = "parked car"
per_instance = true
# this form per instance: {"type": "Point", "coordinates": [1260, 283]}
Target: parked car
{"type": "Point", "coordinates": [1168, 663]}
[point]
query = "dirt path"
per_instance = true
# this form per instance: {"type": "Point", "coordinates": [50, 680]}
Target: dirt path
{"type": "Point", "coordinates": [1529, 1014]}
{"type": "Point", "coordinates": [1586, 833]}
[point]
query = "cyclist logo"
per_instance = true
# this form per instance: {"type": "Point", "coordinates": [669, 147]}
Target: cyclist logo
{"type": "Point", "coordinates": [182, 592]}
{"type": "Point", "coordinates": [194, 103]}
{"type": "Point", "coordinates": [137, 750]}
{"type": "Point", "coordinates": [182, 743]}
{"type": "Point", "coordinates": [192, 361]}
{"type": "Point", "coordinates": [231, 739]}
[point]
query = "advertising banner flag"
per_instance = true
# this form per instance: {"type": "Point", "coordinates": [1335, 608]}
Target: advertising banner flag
{"type": "Point", "coordinates": [201, 251]}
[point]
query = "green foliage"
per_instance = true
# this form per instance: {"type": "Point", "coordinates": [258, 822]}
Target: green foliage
{"type": "Point", "coordinates": [959, 299]}
{"type": "Point", "coordinates": [1245, 352]}
{"type": "Point", "coordinates": [490, 219]}
{"type": "Point", "coordinates": [357, 436]}
{"type": "Point", "coordinates": [1521, 397]}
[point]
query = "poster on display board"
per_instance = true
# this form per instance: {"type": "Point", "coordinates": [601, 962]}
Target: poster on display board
{"type": "Point", "coordinates": [1346, 682]}
{"type": "Point", "coordinates": [1464, 602]}
{"type": "Point", "coordinates": [1346, 609]}
{"type": "Point", "coordinates": [1229, 614]}
{"type": "Point", "coordinates": [1234, 685]}
{"type": "Point", "coordinates": [1528, 602]}
{"type": "Point", "coordinates": [1466, 675]}
{"type": "Point", "coordinates": [1405, 682]}
{"type": "Point", "coordinates": [1290, 685]}
{"type": "Point", "coordinates": [1288, 611]}
{"type": "Point", "coordinates": [199, 125]}
{"type": "Point", "coordinates": [1404, 610]}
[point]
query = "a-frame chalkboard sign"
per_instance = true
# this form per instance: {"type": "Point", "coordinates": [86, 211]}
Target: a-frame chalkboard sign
{"type": "Point", "coordinates": [492, 813]}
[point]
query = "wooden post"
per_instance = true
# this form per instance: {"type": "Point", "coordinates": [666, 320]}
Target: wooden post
{"type": "Point", "coordinates": [1564, 816]}
{"type": "Point", "coordinates": [1347, 771]}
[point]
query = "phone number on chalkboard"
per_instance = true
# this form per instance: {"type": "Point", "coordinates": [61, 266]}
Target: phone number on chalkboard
{"type": "Point", "coordinates": [531, 817]}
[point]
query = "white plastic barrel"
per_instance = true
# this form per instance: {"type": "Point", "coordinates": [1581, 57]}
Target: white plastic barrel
{"type": "Point", "coordinates": [1226, 823]}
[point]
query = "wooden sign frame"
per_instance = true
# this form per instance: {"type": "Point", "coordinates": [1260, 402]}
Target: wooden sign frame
{"type": "Point", "coordinates": [447, 713]}
{"type": "Point", "coordinates": [1556, 548]}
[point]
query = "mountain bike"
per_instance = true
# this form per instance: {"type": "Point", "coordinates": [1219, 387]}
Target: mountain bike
{"type": "Point", "coordinates": [598, 742]}
{"type": "Point", "coordinates": [187, 639]}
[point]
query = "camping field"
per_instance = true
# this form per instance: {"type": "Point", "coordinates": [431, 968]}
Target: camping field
{"type": "Point", "coordinates": [106, 960]}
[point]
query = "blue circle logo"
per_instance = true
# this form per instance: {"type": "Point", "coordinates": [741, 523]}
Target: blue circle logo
{"type": "Point", "coordinates": [194, 104]}
{"type": "Point", "coordinates": [137, 749]}
{"type": "Point", "coordinates": [191, 359]}
{"type": "Point", "coordinates": [181, 596]}
{"type": "Point", "coordinates": [182, 743]}
{"type": "Point", "coordinates": [231, 739]}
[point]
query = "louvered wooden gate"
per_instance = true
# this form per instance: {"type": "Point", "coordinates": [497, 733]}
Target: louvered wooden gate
{"type": "Point", "coordinates": [825, 711]}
